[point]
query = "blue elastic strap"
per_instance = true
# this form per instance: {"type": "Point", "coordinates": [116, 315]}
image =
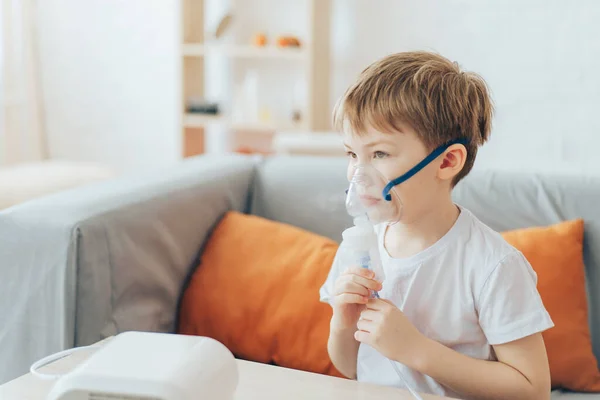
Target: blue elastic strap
{"type": "Point", "coordinates": [434, 154]}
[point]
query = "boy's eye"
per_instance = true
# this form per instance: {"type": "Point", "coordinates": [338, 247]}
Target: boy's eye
{"type": "Point", "coordinates": [380, 154]}
{"type": "Point", "coordinates": [351, 154]}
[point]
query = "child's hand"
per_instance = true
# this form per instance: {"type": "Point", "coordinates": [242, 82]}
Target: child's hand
{"type": "Point", "coordinates": [351, 294]}
{"type": "Point", "coordinates": [385, 328]}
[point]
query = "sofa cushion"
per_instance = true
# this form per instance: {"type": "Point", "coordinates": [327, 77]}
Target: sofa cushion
{"type": "Point", "coordinates": [556, 254]}
{"type": "Point", "coordinates": [256, 290]}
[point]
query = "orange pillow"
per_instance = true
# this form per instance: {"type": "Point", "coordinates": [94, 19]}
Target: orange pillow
{"type": "Point", "coordinates": [556, 254]}
{"type": "Point", "coordinates": [256, 290]}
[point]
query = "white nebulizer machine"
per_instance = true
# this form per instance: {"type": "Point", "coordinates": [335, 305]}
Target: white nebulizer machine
{"type": "Point", "coordinates": [148, 366]}
{"type": "Point", "coordinates": [369, 205]}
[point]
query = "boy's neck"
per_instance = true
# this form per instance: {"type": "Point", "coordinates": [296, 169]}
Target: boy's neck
{"type": "Point", "coordinates": [411, 237]}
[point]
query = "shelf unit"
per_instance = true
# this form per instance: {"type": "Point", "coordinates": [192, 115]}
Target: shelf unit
{"type": "Point", "coordinates": [198, 49]}
{"type": "Point", "coordinates": [192, 120]}
{"type": "Point", "coordinates": [244, 51]}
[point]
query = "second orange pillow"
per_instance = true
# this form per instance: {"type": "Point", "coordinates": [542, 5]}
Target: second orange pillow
{"type": "Point", "coordinates": [556, 254]}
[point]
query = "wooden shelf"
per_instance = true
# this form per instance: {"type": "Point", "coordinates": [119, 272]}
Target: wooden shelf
{"type": "Point", "coordinates": [306, 87]}
{"type": "Point", "coordinates": [191, 120]}
{"type": "Point", "coordinates": [270, 52]}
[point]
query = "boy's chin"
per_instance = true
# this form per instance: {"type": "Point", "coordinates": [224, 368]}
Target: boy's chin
{"type": "Point", "coordinates": [377, 215]}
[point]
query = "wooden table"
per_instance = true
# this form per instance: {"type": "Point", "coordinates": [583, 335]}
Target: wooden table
{"type": "Point", "coordinates": [256, 382]}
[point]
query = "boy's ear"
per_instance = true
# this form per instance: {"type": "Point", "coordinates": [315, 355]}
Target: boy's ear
{"type": "Point", "coordinates": [453, 161]}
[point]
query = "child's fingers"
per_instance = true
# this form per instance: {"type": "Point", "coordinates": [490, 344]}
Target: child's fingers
{"type": "Point", "coordinates": [365, 325]}
{"type": "Point", "coordinates": [361, 280]}
{"type": "Point", "coordinates": [370, 315]}
{"type": "Point", "coordinates": [351, 298]}
{"type": "Point", "coordinates": [347, 286]}
{"type": "Point", "coordinates": [367, 273]}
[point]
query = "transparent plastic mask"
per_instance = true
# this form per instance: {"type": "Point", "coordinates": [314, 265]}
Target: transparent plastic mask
{"type": "Point", "coordinates": [365, 197]}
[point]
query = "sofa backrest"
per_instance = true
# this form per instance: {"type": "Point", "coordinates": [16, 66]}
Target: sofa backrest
{"type": "Point", "coordinates": [305, 191]}
{"type": "Point", "coordinates": [308, 192]}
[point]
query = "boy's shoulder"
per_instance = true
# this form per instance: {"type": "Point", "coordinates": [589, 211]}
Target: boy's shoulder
{"type": "Point", "coordinates": [474, 247]}
{"type": "Point", "coordinates": [486, 248]}
{"type": "Point", "coordinates": [480, 233]}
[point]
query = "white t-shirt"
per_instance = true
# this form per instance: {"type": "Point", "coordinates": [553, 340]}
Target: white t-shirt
{"type": "Point", "coordinates": [468, 291]}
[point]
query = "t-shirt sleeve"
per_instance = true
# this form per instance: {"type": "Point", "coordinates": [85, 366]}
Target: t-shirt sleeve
{"type": "Point", "coordinates": [326, 291]}
{"type": "Point", "coordinates": [509, 304]}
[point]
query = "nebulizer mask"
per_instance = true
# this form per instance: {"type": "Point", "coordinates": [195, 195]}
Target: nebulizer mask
{"type": "Point", "coordinates": [372, 200]}
{"type": "Point", "coordinates": [367, 206]}
{"type": "Point", "coordinates": [371, 195]}
{"type": "Point", "coordinates": [368, 198]}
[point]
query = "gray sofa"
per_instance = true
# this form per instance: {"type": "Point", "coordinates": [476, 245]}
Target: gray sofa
{"type": "Point", "coordinates": [88, 263]}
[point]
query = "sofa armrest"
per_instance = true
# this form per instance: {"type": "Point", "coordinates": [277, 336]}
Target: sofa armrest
{"type": "Point", "coordinates": [91, 262]}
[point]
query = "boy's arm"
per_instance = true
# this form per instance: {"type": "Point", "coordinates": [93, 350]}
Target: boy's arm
{"type": "Point", "coordinates": [511, 312]}
{"type": "Point", "coordinates": [343, 350]}
{"type": "Point", "coordinates": [521, 371]}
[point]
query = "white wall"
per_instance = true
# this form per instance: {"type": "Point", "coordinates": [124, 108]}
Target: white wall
{"type": "Point", "coordinates": [111, 88]}
{"type": "Point", "coordinates": [540, 57]}
{"type": "Point", "coordinates": [110, 80]}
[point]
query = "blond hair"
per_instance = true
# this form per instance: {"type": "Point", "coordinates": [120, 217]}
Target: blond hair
{"type": "Point", "coordinates": [428, 92]}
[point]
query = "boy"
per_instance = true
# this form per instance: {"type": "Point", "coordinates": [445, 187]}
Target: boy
{"type": "Point", "coordinates": [459, 312]}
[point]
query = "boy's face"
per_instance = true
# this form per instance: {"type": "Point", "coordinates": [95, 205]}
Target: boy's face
{"type": "Point", "coordinates": [393, 154]}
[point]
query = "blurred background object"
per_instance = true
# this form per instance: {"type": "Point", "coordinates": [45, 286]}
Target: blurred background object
{"type": "Point", "coordinates": [22, 135]}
